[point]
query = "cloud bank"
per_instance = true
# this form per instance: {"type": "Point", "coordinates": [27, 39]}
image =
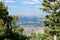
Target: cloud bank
{"type": "Point", "coordinates": [31, 2]}
{"type": "Point", "coordinates": [9, 1]}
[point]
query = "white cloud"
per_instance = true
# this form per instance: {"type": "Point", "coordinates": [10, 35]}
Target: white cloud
{"type": "Point", "coordinates": [10, 1]}
{"type": "Point", "coordinates": [31, 2]}
{"type": "Point", "coordinates": [1, 0]}
{"type": "Point", "coordinates": [36, 1]}
{"type": "Point", "coordinates": [26, 2]}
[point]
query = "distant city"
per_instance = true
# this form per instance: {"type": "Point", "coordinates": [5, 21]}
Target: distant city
{"type": "Point", "coordinates": [30, 21]}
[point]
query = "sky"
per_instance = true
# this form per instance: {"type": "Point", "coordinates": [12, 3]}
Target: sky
{"type": "Point", "coordinates": [24, 7]}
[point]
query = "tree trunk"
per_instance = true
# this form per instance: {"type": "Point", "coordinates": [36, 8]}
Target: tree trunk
{"type": "Point", "coordinates": [55, 37]}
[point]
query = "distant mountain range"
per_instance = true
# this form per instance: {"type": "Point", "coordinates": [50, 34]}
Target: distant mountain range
{"type": "Point", "coordinates": [30, 21]}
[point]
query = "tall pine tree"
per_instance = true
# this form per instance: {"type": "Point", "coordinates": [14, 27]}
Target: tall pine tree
{"type": "Point", "coordinates": [52, 21]}
{"type": "Point", "coordinates": [7, 22]}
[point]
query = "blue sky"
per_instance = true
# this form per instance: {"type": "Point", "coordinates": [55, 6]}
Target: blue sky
{"type": "Point", "coordinates": [24, 7]}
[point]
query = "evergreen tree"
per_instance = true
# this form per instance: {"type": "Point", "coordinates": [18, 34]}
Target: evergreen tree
{"type": "Point", "coordinates": [52, 21]}
{"type": "Point", "coordinates": [7, 23]}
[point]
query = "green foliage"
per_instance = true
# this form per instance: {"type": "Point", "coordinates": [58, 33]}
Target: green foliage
{"type": "Point", "coordinates": [7, 23]}
{"type": "Point", "coordinates": [52, 20]}
{"type": "Point", "coordinates": [15, 36]}
{"type": "Point", "coordinates": [39, 36]}
{"type": "Point", "coordinates": [18, 30]}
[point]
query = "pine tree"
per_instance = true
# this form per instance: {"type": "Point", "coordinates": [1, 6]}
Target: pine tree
{"type": "Point", "coordinates": [7, 22]}
{"type": "Point", "coordinates": [52, 21]}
